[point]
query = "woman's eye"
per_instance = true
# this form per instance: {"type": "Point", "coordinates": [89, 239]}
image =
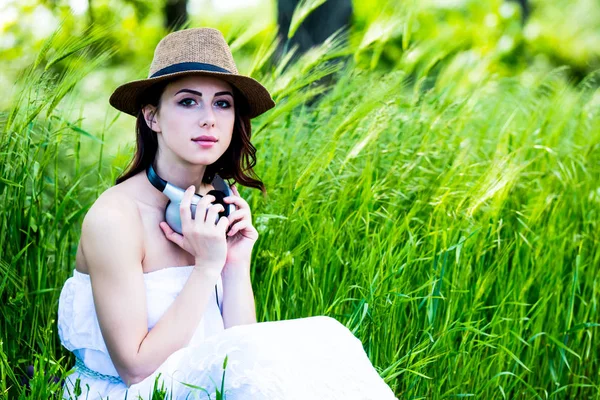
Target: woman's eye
{"type": "Point", "coordinates": [186, 102]}
{"type": "Point", "coordinates": [223, 103]}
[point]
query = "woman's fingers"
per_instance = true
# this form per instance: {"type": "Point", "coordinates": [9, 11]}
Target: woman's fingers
{"type": "Point", "coordinates": [171, 234]}
{"type": "Point", "coordinates": [202, 206]}
{"type": "Point", "coordinates": [237, 200]}
{"type": "Point", "coordinates": [223, 224]}
{"type": "Point", "coordinates": [237, 227]}
{"type": "Point", "coordinates": [241, 218]}
{"type": "Point", "coordinates": [213, 211]}
{"type": "Point", "coordinates": [238, 214]}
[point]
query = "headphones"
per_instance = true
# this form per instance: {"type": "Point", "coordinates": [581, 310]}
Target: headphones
{"type": "Point", "coordinates": [175, 195]}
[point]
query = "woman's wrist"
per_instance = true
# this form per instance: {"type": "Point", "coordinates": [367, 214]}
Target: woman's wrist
{"type": "Point", "coordinates": [209, 270]}
{"type": "Point", "coordinates": [236, 271]}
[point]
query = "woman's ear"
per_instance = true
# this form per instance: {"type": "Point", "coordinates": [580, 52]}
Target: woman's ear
{"type": "Point", "coordinates": [151, 117]}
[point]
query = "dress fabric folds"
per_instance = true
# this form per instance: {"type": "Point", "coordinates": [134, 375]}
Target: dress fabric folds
{"type": "Point", "coordinates": [304, 358]}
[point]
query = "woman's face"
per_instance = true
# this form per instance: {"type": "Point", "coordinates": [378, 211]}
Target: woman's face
{"type": "Point", "coordinates": [192, 107]}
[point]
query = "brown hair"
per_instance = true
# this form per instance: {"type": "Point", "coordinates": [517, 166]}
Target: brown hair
{"type": "Point", "coordinates": [237, 161]}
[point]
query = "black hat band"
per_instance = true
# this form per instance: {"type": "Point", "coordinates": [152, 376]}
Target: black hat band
{"type": "Point", "coordinates": [188, 66]}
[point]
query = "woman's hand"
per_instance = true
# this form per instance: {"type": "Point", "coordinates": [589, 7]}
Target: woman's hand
{"type": "Point", "coordinates": [242, 235]}
{"type": "Point", "coordinates": [202, 238]}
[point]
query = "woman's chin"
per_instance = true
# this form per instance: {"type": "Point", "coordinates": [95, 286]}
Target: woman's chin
{"type": "Point", "coordinates": [202, 160]}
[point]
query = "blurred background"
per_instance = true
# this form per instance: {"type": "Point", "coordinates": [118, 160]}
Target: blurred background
{"type": "Point", "coordinates": [476, 37]}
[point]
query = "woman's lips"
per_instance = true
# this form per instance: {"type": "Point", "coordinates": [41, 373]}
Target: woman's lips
{"type": "Point", "coordinates": [205, 143]}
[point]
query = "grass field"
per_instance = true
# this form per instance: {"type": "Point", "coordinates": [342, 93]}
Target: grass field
{"type": "Point", "coordinates": [446, 213]}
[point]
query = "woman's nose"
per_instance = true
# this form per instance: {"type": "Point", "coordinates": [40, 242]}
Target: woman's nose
{"type": "Point", "coordinates": [207, 119]}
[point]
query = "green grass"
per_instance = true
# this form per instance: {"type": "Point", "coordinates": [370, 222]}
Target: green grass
{"type": "Point", "coordinates": [450, 222]}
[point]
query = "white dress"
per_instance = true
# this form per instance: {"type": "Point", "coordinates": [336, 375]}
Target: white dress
{"type": "Point", "coordinates": [305, 358]}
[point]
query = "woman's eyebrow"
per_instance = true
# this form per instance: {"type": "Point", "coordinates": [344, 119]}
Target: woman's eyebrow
{"type": "Point", "coordinates": [200, 94]}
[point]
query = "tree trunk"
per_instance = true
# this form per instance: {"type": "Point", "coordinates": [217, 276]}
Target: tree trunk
{"type": "Point", "coordinates": [318, 26]}
{"type": "Point", "coordinates": [525, 9]}
{"type": "Point", "coordinates": [175, 14]}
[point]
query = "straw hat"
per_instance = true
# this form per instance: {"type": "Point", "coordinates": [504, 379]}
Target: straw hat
{"type": "Point", "coordinates": [201, 51]}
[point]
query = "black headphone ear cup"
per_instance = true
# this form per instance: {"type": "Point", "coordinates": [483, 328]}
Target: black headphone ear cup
{"type": "Point", "coordinates": [219, 196]}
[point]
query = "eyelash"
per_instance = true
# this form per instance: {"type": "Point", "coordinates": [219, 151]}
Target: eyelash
{"type": "Point", "coordinates": [188, 105]}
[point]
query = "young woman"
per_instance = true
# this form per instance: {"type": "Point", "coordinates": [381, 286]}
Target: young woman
{"type": "Point", "coordinates": [167, 301]}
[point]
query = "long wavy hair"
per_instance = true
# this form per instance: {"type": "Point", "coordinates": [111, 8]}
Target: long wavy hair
{"type": "Point", "coordinates": [237, 162]}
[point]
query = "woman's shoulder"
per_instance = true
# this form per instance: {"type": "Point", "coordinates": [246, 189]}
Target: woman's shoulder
{"type": "Point", "coordinates": [112, 226]}
{"type": "Point", "coordinates": [112, 220]}
{"type": "Point", "coordinates": [115, 207]}
{"type": "Point", "coordinates": [114, 200]}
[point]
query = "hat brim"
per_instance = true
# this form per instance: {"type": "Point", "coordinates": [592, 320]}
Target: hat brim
{"type": "Point", "coordinates": [128, 97]}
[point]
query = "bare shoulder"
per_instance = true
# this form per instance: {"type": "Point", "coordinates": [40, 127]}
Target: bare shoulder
{"type": "Point", "coordinates": [112, 223]}
{"type": "Point", "coordinates": [113, 206]}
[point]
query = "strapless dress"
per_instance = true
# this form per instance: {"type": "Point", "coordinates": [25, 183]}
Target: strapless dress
{"type": "Point", "coordinates": [305, 358]}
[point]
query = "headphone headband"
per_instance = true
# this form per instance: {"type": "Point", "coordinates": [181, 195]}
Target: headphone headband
{"type": "Point", "coordinates": [155, 180]}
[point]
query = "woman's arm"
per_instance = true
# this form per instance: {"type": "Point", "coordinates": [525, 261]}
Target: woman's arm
{"type": "Point", "coordinates": [112, 242]}
{"type": "Point", "coordinates": [238, 298]}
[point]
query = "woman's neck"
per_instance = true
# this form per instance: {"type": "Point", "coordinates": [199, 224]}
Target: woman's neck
{"type": "Point", "coordinates": [182, 175]}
